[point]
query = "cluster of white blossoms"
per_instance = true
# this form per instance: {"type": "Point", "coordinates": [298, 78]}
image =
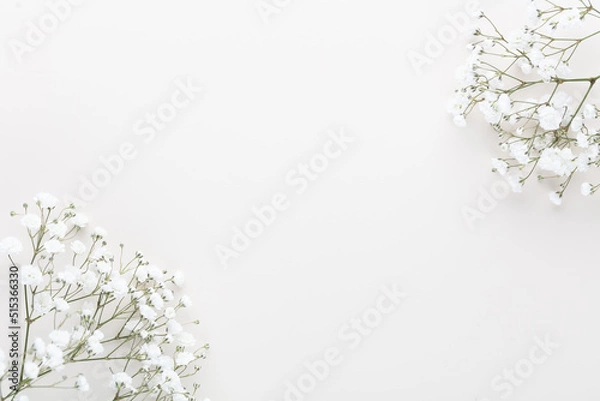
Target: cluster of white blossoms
{"type": "Point", "coordinates": [523, 85]}
{"type": "Point", "coordinates": [83, 304]}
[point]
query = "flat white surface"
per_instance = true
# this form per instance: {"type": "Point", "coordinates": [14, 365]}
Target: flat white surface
{"type": "Point", "coordinates": [387, 211]}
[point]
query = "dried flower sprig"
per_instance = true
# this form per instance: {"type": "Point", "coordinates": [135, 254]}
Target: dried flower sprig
{"type": "Point", "coordinates": [523, 84]}
{"type": "Point", "coordinates": [85, 305]}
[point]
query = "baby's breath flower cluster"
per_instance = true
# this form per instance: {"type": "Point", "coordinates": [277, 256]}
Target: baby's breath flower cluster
{"type": "Point", "coordinates": [523, 84]}
{"type": "Point", "coordinates": [85, 305]}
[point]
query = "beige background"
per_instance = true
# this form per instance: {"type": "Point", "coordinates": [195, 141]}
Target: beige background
{"type": "Point", "coordinates": [387, 211]}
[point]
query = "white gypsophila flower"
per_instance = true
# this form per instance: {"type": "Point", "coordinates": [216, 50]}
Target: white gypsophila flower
{"type": "Point", "coordinates": [156, 301]}
{"type": "Point", "coordinates": [141, 274]}
{"type": "Point", "coordinates": [555, 198]}
{"type": "Point", "coordinates": [500, 166]}
{"type": "Point", "coordinates": [94, 344]}
{"type": "Point", "coordinates": [31, 370]}
{"type": "Point", "coordinates": [69, 275]}
{"type": "Point", "coordinates": [31, 275]}
{"type": "Point", "coordinates": [89, 281]}
{"type": "Point", "coordinates": [520, 151]}
{"type": "Point", "coordinates": [103, 267]}
{"type": "Point", "coordinates": [39, 347]}
{"type": "Point", "coordinates": [155, 273]}
{"type": "Point", "coordinates": [148, 312]}
{"type": "Point", "coordinates": [179, 278]}
{"type": "Point", "coordinates": [42, 303]}
{"type": "Point", "coordinates": [514, 181]}
{"type": "Point", "coordinates": [77, 334]}
{"type": "Point", "coordinates": [117, 286]}
{"type": "Point", "coordinates": [45, 200]}
{"type": "Point", "coordinates": [558, 161]}
{"type": "Point", "coordinates": [570, 19]}
{"type": "Point", "coordinates": [61, 304]}
{"type": "Point", "coordinates": [184, 358]}
{"type": "Point", "coordinates": [167, 295]}
{"type": "Point", "coordinates": [78, 247]}
{"type": "Point", "coordinates": [99, 232]}
{"type": "Point", "coordinates": [186, 301]}
{"type": "Point", "coordinates": [79, 220]}
{"type": "Point", "coordinates": [11, 246]}
{"type": "Point", "coordinates": [121, 380]}
{"type": "Point", "coordinates": [54, 358]}
{"type": "Point", "coordinates": [58, 230]}
{"type": "Point", "coordinates": [60, 337]}
{"type": "Point", "coordinates": [101, 253]}
{"type": "Point", "coordinates": [590, 112]}
{"type": "Point", "coordinates": [586, 189]}
{"type": "Point", "coordinates": [549, 117]}
{"type": "Point", "coordinates": [174, 327]}
{"type": "Point", "coordinates": [54, 246]}
{"type": "Point", "coordinates": [32, 222]}
{"type": "Point", "coordinates": [583, 141]}
{"type": "Point", "coordinates": [82, 384]}
{"type": "Point", "coordinates": [185, 339]}
{"type": "Point", "coordinates": [170, 313]}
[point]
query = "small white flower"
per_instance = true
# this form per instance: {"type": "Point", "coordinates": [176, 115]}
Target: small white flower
{"type": "Point", "coordinates": [147, 312]}
{"type": "Point", "coordinates": [99, 232]}
{"type": "Point", "coordinates": [32, 222]}
{"type": "Point", "coordinates": [500, 166]}
{"type": "Point", "coordinates": [156, 301]}
{"type": "Point", "coordinates": [31, 275]}
{"type": "Point", "coordinates": [45, 200]}
{"type": "Point", "coordinates": [11, 246]}
{"type": "Point", "coordinates": [555, 198]}
{"type": "Point", "coordinates": [515, 183]}
{"type": "Point", "coordinates": [184, 358]}
{"type": "Point", "coordinates": [82, 384]}
{"type": "Point", "coordinates": [42, 303]}
{"type": "Point", "coordinates": [179, 278]}
{"type": "Point", "coordinates": [583, 140]}
{"type": "Point", "coordinates": [58, 230]}
{"type": "Point", "coordinates": [54, 246]}
{"type": "Point", "coordinates": [60, 337]}
{"type": "Point", "coordinates": [558, 161]}
{"type": "Point", "coordinates": [590, 112]}
{"type": "Point", "coordinates": [586, 189]}
{"type": "Point", "coordinates": [185, 339]}
{"type": "Point", "coordinates": [80, 220]}
{"type": "Point", "coordinates": [31, 370]}
{"type": "Point", "coordinates": [549, 117]}
{"type": "Point", "coordinates": [61, 304]}
{"type": "Point", "coordinates": [186, 301]}
{"type": "Point", "coordinates": [117, 286]}
{"type": "Point", "coordinates": [70, 275]}
{"type": "Point", "coordinates": [120, 380]}
{"type": "Point", "coordinates": [173, 327]}
{"type": "Point", "coordinates": [570, 19]}
{"type": "Point", "coordinates": [78, 247]}
{"type": "Point", "coordinates": [170, 313]}
{"type": "Point", "coordinates": [460, 121]}
{"type": "Point", "coordinates": [54, 357]}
